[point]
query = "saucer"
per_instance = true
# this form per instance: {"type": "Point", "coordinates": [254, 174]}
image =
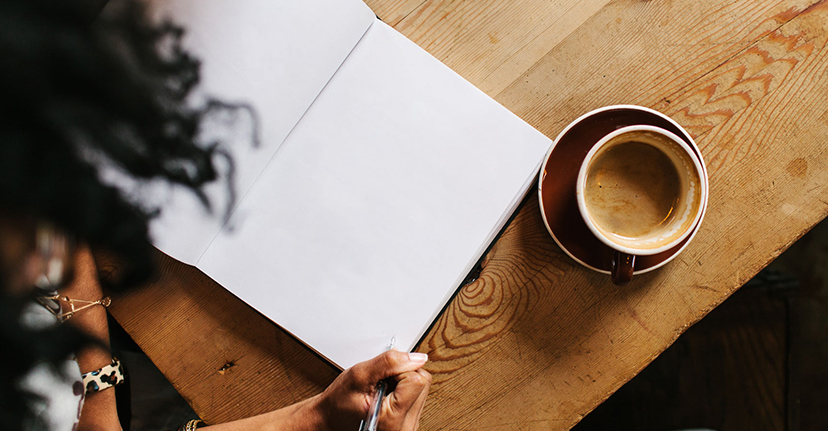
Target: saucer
{"type": "Point", "coordinates": [556, 185]}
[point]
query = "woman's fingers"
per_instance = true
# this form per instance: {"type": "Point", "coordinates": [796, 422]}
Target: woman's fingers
{"type": "Point", "coordinates": [388, 364]}
{"type": "Point", "coordinates": [346, 401]}
{"type": "Point", "coordinates": [411, 421]}
{"type": "Point", "coordinates": [402, 408]}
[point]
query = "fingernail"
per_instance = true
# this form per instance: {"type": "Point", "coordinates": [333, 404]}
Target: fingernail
{"type": "Point", "coordinates": [418, 357]}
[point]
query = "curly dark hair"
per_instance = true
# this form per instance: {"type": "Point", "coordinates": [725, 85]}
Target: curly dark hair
{"type": "Point", "coordinates": [75, 90]}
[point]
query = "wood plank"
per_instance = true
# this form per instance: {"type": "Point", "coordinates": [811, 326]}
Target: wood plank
{"type": "Point", "coordinates": [490, 43]}
{"type": "Point", "coordinates": [541, 341]}
{"type": "Point", "coordinates": [726, 373]}
{"type": "Point", "coordinates": [224, 358]}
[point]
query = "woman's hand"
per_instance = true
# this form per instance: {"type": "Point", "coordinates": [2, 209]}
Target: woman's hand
{"type": "Point", "coordinates": [345, 402]}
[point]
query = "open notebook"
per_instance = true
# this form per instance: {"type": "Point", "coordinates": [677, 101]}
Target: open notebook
{"type": "Point", "coordinates": [381, 177]}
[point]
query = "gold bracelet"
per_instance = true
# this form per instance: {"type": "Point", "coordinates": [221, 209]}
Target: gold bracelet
{"type": "Point", "coordinates": [191, 425]}
{"type": "Point", "coordinates": [56, 309]}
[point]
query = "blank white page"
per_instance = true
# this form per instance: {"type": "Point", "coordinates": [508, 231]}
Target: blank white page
{"type": "Point", "coordinates": [276, 56]}
{"type": "Point", "coordinates": [378, 204]}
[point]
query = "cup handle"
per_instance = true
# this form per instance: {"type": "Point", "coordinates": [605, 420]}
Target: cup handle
{"type": "Point", "coordinates": [622, 267]}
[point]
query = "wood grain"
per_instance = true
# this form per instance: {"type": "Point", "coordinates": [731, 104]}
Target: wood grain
{"type": "Point", "coordinates": [225, 359]}
{"type": "Point", "coordinates": [538, 341]}
{"type": "Point", "coordinates": [490, 43]}
{"type": "Point", "coordinates": [587, 337]}
{"type": "Point", "coordinates": [727, 372]}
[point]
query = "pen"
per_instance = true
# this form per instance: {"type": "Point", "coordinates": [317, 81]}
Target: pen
{"type": "Point", "coordinates": [371, 420]}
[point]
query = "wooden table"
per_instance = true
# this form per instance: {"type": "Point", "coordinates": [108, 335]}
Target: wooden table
{"type": "Point", "coordinates": [538, 341]}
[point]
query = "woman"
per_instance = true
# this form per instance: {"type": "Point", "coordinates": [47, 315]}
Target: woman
{"type": "Point", "coordinates": [78, 96]}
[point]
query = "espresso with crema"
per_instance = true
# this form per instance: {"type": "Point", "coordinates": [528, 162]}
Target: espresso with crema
{"type": "Point", "coordinates": [632, 190]}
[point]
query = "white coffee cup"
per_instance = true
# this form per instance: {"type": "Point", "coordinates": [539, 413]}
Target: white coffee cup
{"type": "Point", "coordinates": [640, 190]}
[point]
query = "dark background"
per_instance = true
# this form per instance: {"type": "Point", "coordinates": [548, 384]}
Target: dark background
{"type": "Point", "coordinates": [757, 362]}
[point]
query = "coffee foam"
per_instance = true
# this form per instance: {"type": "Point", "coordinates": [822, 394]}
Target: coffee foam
{"type": "Point", "coordinates": [642, 190]}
